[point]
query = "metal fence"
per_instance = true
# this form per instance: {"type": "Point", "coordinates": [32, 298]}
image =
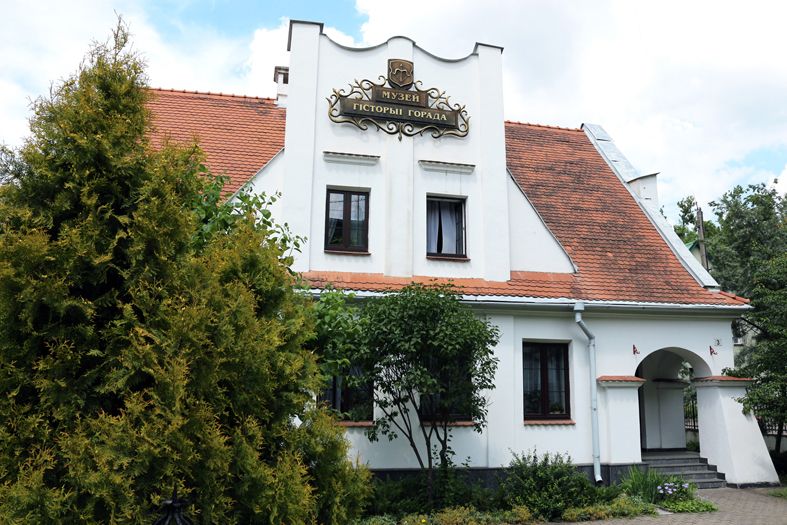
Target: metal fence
{"type": "Point", "coordinates": [768, 428]}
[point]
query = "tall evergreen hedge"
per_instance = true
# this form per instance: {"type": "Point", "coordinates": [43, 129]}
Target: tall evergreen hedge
{"type": "Point", "coordinates": [150, 337]}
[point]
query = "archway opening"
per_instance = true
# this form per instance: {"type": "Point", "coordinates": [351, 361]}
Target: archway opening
{"type": "Point", "coordinates": [662, 398]}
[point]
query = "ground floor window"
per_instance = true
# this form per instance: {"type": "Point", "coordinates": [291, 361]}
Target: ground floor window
{"type": "Point", "coordinates": [545, 380]}
{"type": "Point", "coordinates": [353, 402]}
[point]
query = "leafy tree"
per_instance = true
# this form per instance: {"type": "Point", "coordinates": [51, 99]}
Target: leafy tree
{"type": "Point", "coordinates": [687, 229]}
{"type": "Point", "coordinates": [150, 336]}
{"type": "Point", "coordinates": [752, 229]}
{"type": "Point", "coordinates": [431, 361]}
{"type": "Point", "coordinates": [766, 396]}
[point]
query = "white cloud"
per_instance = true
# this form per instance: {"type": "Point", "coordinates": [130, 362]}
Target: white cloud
{"type": "Point", "coordinates": [685, 88]}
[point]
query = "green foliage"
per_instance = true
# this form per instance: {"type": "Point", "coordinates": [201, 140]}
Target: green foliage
{"type": "Point", "coordinates": [643, 484]}
{"type": "Point", "coordinates": [779, 493]}
{"type": "Point", "coordinates": [693, 445]}
{"type": "Point", "coordinates": [766, 395]}
{"type": "Point", "coordinates": [145, 343]}
{"type": "Point", "coordinates": [752, 229]}
{"type": "Point", "coordinates": [462, 515]}
{"type": "Point", "coordinates": [429, 358]}
{"type": "Point", "coordinates": [518, 515]}
{"type": "Point", "coordinates": [623, 506]}
{"type": "Point", "coordinates": [689, 505]}
{"type": "Point", "coordinates": [589, 513]}
{"type": "Point", "coordinates": [547, 485]}
{"type": "Point", "coordinates": [398, 497]}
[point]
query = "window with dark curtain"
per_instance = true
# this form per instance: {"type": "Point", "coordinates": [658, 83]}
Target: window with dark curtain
{"type": "Point", "coordinates": [351, 401]}
{"type": "Point", "coordinates": [545, 380]}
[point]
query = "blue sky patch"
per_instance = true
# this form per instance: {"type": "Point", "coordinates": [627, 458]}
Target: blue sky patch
{"type": "Point", "coordinates": [242, 17]}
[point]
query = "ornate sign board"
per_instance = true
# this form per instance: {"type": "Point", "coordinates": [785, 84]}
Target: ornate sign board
{"type": "Point", "coordinates": [404, 108]}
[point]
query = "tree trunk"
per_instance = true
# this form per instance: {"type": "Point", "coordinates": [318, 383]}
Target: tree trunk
{"type": "Point", "coordinates": [779, 430]}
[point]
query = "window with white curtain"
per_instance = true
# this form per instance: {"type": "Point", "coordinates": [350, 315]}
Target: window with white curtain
{"type": "Point", "coordinates": [445, 227]}
{"type": "Point", "coordinates": [545, 380]}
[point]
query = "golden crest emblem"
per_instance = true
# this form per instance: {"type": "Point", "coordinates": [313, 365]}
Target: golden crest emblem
{"type": "Point", "coordinates": [400, 73]}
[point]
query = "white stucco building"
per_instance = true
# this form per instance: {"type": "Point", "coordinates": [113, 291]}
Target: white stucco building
{"type": "Point", "coordinates": [548, 232]}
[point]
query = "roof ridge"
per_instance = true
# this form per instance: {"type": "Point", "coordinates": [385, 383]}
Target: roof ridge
{"type": "Point", "coordinates": [210, 93]}
{"type": "Point", "coordinates": [548, 126]}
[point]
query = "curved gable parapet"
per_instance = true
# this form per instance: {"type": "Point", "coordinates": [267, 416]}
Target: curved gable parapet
{"type": "Point", "coordinates": [361, 49]}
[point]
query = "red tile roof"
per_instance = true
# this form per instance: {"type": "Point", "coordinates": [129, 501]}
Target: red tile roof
{"type": "Point", "coordinates": [619, 254]}
{"type": "Point", "coordinates": [239, 135]}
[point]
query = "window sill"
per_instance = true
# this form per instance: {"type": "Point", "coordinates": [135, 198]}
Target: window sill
{"type": "Point", "coordinates": [542, 422]}
{"type": "Point", "coordinates": [454, 423]}
{"type": "Point", "coordinates": [346, 252]}
{"type": "Point", "coordinates": [456, 258]}
{"type": "Point", "coordinates": [351, 424]}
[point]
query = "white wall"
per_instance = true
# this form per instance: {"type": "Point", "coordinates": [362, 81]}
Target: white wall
{"type": "Point", "coordinates": [398, 185]}
{"type": "Point", "coordinates": [618, 406]}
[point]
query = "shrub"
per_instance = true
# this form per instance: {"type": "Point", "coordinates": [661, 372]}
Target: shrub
{"type": "Point", "coordinates": [689, 505]}
{"type": "Point", "coordinates": [398, 497]}
{"type": "Point", "coordinates": [589, 513]}
{"type": "Point", "coordinates": [693, 446]}
{"type": "Point", "coordinates": [608, 494]}
{"type": "Point", "coordinates": [547, 485]}
{"type": "Point", "coordinates": [675, 490]}
{"type": "Point", "coordinates": [456, 516]}
{"type": "Point", "coordinates": [518, 515]}
{"type": "Point", "coordinates": [416, 519]}
{"type": "Point", "coordinates": [625, 506]}
{"type": "Point", "coordinates": [643, 484]}
{"type": "Point", "coordinates": [377, 520]}
{"type": "Point", "coordinates": [621, 507]}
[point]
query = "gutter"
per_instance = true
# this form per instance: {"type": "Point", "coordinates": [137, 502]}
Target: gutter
{"type": "Point", "coordinates": [578, 309]}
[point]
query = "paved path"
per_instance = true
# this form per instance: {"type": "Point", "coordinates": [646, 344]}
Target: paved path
{"type": "Point", "coordinates": [736, 507]}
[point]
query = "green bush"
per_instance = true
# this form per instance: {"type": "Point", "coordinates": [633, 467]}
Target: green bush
{"type": "Point", "coordinates": [547, 485]}
{"type": "Point", "coordinates": [643, 484]}
{"type": "Point", "coordinates": [693, 445]}
{"type": "Point", "coordinates": [589, 513]}
{"type": "Point", "coordinates": [416, 519]}
{"type": "Point", "coordinates": [456, 516]}
{"type": "Point", "coordinates": [398, 497]}
{"type": "Point", "coordinates": [518, 515]}
{"type": "Point", "coordinates": [621, 507]}
{"type": "Point", "coordinates": [377, 520]}
{"type": "Point", "coordinates": [625, 506]}
{"type": "Point", "coordinates": [674, 488]}
{"type": "Point", "coordinates": [689, 505]}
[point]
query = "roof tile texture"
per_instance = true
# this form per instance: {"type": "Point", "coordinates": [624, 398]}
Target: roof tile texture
{"type": "Point", "coordinates": [619, 254]}
{"type": "Point", "coordinates": [239, 135]}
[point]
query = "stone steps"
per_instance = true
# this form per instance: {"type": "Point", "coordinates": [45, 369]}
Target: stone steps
{"type": "Point", "coordinates": [689, 465]}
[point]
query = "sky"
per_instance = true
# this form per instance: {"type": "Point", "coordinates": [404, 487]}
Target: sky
{"type": "Point", "coordinates": [695, 90]}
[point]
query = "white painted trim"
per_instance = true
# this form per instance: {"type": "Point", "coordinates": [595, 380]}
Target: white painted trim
{"type": "Point", "coordinates": [446, 167]}
{"type": "Point", "coordinates": [358, 159]}
{"type": "Point", "coordinates": [502, 300]}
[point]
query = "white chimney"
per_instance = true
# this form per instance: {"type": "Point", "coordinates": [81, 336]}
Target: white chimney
{"type": "Point", "coordinates": [281, 75]}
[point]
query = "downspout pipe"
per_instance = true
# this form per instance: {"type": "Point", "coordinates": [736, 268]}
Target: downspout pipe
{"type": "Point", "coordinates": [578, 309]}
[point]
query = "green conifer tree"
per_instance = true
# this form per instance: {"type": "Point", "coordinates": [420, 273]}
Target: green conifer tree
{"type": "Point", "coordinates": [150, 337]}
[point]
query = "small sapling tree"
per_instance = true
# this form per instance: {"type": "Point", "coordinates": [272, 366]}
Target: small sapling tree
{"type": "Point", "coordinates": [431, 361]}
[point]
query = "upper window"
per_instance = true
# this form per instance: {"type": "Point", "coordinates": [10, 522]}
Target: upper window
{"type": "Point", "coordinates": [545, 367]}
{"type": "Point", "coordinates": [445, 227]}
{"type": "Point", "coordinates": [347, 221]}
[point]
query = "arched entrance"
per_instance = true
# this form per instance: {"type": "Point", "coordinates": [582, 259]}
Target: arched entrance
{"type": "Point", "coordinates": [667, 373]}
